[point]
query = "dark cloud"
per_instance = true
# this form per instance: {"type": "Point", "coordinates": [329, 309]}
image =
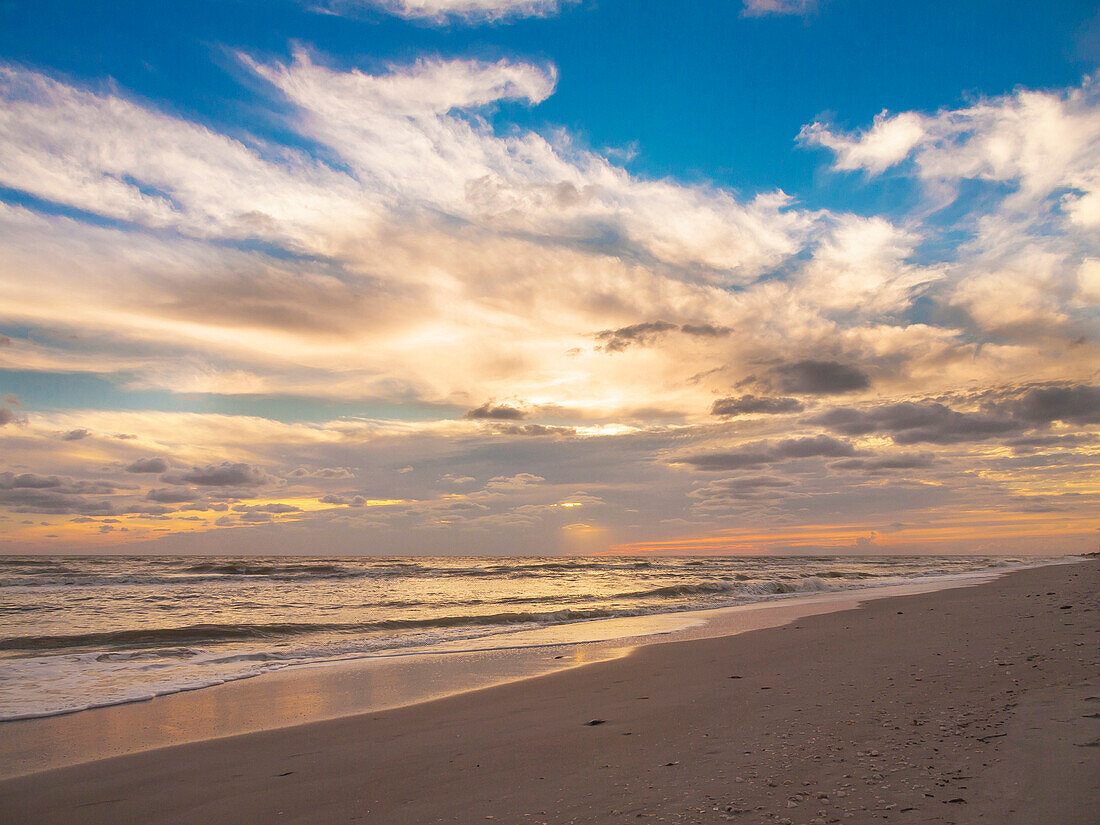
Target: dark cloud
{"type": "Point", "coordinates": [75, 435]}
{"type": "Point", "coordinates": [148, 509]}
{"type": "Point", "coordinates": [821, 446]}
{"type": "Point", "coordinates": [33, 481]}
{"type": "Point", "coordinates": [748, 404]}
{"type": "Point", "coordinates": [7, 416]}
{"type": "Point", "coordinates": [323, 472]}
{"type": "Point", "coordinates": [92, 486]}
{"type": "Point", "coordinates": [256, 517]}
{"type": "Point", "coordinates": [350, 499]}
{"type": "Point", "coordinates": [535, 429]}
{"type": "Point", "coordinates": [1041, 442]}
{"type": "Point", "coordinates": [818, 445]}
{"type": "Point", "coordinates": [617, 340]}
{"type": "Point", "coordinates": [171, 495]}
{"type": "Point", "coordinates": [148, 465]}
{"type": "Point", "coordinates": [498, 413]}
{"type": "Point", "coordinates": [11, 398]}
{"type": "Point", "coordinates": [1072, 404]}
{"type": "Point", "coordinates": [819, 378]}
{"type": "Point", "coordinates": [206, 506]}
{"type": "Point", "coordinates": [52, 501]}
{"type": "Point", "coordinates": [741, 488]}
{"type": "Point", "coordinates": [276, 507]}
{"type": "Point", "coordinates": [705, 330]}
{"type": "Point", "coordinates": [27, 480]}
{"type": "Point", "coordinates": [871, 465]}
{"type": "Point", "coordinates": [226, 474]}
{"type": "Point", "coordinates": [914, 423]}
{"type": "Point", "coordinates": [729, 461]}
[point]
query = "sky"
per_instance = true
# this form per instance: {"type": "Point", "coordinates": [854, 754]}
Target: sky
{"type": "Point", "coordinates": [549, 276]}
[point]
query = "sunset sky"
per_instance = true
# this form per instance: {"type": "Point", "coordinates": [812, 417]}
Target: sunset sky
{"type": "Point", "coordinates": [550, 276]}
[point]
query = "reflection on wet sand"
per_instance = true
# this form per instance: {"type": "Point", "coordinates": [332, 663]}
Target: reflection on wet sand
{"type": "Point", "coordinates": [311, 693]}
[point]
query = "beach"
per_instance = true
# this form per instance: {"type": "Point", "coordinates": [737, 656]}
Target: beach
{"type": "Point", "coordinates": [970, 704]}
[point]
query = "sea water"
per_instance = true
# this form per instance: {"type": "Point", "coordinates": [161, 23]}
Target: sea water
{"type": "Point", "coordinates": [81, 632]}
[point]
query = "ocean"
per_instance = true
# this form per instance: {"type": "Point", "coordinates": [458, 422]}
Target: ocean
{"type": "Point", "coordinates": [82, 632]}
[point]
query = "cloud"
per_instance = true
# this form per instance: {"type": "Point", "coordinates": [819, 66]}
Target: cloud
{"type": "Point", "coordinates": [519, 481]}
{"type": "Point", "coordinates": [7, 416]}
{"type": "Point", "coordinates": [148, 465]}
{"type": "Point", "coordinates": [863, 267]}
{"type": "Point", "coordinates": [425, 226]}
{"type": "Point", "coordinates": [1070, 404]}
{"type": "Point", "coordinates": [10, 397]}
{"type": "Point", "coordinates": [147, 509]}
{"type": "Point", "coordinates": [10, 481]}
{"type": "Point", "coordinates": [820, 378]}
{"type": "Point", "coordinates": [501, 412]}
{"type": "Point", "coordinates": [888, 142]}
{"type": "Point", "coordinates": [705, 330]}
{"type": "Point", "coordinates": [536, 429]}
{"type": "Point", "coordinates": [727, 493]}
{"type": "Point", "coordinates": [35, 493]}
{"type": "Point", "coordinates": [75, 435]}
{"type": "Point", "coordinates": [469, 12]}
{"type": "Point", "coordinates": [275, 507]}
{"type": "Point", "coordinates": [51, 501]}
{"type": "Point", "coordinates": [1046, 143]}
{"type": "Point", "coordinates": [750, 404]}
{"type": "Point", "coordinates": [225, 474]}
{"type": "Point", "coordinates": [759, 8]}
{"type": "Point", "coordinates": [172, 495]}
{"type": "Point", "coordinates": [349, 499]}
{"type": "Point", "coordinates": [919, 422]}
{"type": "Point", "coordinates": [878, 464]}
{"type": "Point", "coordinates": [617, 340]}
{"type": "Point", "coordinates": [322, 473]}
{"type": "Point", "coordinates": [1040, 442]}
{"type": "Point", "coordinates": [259, 517]}
{"type": "Point", "coordinates": [403, 265]}
{"type": "Point", "coordinates": [763, 453]}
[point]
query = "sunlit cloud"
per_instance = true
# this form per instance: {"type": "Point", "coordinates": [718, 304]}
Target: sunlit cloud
{"type": "Point", "coordinates": [552, 334]}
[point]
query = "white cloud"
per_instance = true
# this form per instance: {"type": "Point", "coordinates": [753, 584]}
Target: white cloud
{"type": "Point", "coordinates": [1047, 144]}
{"type": "Point", "coordinates": [862, 266]}
{"type": "Point", "coordinates": [757, 8]}
{"type": "Point", "coordinates": [107, 155]}
{"type": "Point", "coordinates": [444, 11]}
{"type": "Point", "coordinates": [889, 141]}
{"type": "Point", "coordinates": [436, 239]}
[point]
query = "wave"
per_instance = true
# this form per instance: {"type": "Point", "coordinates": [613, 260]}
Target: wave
{"type": "Point", "coordinates": [227, 632]}
{"type": "Point", "coordinates": [242, 568]}
{"type": "Point", "coordinates": [137, 655]}
{"type": "Point", "coordinates": [772, 587]}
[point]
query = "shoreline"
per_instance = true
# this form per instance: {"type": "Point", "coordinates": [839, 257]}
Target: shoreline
{"type": "Point", "coordinates": [381, 682]}
{"type": "Point", "coordinates": [960, 705]}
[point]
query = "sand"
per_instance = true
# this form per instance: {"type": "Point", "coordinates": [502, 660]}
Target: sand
{"type": "Point", "coordinates": [968, 705]}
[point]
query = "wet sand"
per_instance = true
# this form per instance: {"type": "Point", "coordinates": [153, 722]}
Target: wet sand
{"type": "Point", "coordinates": [977, 704]}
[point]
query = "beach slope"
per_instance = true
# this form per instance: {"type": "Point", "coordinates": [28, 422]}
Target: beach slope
{"type": "Point", "coordinates": [978, 704]}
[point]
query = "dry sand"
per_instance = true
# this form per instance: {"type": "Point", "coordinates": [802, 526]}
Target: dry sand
{"type": "Point", "coordinates": [978, 704]}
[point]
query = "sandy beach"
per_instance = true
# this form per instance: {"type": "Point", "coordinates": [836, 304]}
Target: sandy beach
{"type": "Point", "coordinates": [975, 704]}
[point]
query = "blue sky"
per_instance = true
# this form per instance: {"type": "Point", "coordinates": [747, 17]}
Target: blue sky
{"type": "Point", "coordinates": [695, 271]}
{"type": "Point", "coordinates": [700, 90]}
